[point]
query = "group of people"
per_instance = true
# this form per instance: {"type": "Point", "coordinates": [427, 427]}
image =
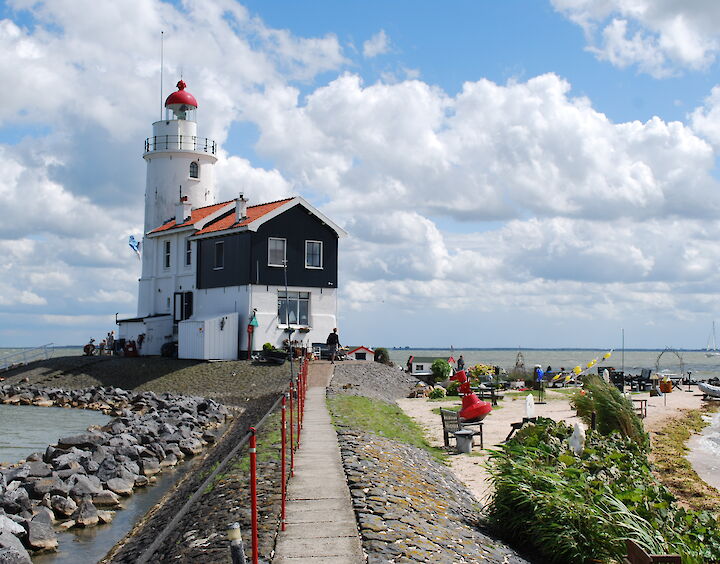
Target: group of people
{"type": "Point", "coordinates": [106, 346]}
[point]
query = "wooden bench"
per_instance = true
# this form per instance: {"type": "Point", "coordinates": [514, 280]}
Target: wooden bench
{"type": "Point", "coordinates": [452, 423]}
{"type": "Point", "coordinates": [636, 555]}
{"type": "Point", "coordinates": [491, 394]}
{"type": "Point", "coordinates": [640, 406]}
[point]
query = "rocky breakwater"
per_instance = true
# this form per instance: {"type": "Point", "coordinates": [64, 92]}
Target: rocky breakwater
{"type": "Point", "coordinates": [78, 481]}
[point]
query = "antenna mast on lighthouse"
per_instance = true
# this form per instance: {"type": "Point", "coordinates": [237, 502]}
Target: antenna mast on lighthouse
{"type": "Point", "coordinates": [162, 37]}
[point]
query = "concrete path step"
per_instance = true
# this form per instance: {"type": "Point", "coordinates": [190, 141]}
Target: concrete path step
{"type": "Point", "coordinates": [320, 522]}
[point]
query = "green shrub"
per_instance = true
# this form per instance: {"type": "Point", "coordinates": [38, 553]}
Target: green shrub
{"type": "Point", "coordinates": [438, 392]}
{"type": "Point", "coordinates": [613, 411]}
{"type": "Point", "coordinates": [382, 355]}
{"type": "Point", "coordinates": [268, 347]}
{"type": "Point", "coordinates": [578, 508]}
{"type": "Point", "coordinates": [452, 389]}
{"type": "Point", "coordinates": [440, 369]}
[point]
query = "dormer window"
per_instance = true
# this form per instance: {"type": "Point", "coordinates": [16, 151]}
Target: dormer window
{"type": "Point", "coordinates": [194, 170]}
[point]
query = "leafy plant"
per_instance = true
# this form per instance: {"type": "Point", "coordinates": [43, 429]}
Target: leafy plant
{"type": "Point", "coordinates": [613, 411]}
{"type": "Point", "coordinates": [268, 347]}
{"type": "Point", "coordinates": [382, 355]}
{"type": "Point", "coordinates": [582, 508]}
{"type": "Point", "coordinates": [437, 392]}
{"type": "Point", "coordinates": [452, 389]}
{"type": "Point", "coordinates": [440, 369]}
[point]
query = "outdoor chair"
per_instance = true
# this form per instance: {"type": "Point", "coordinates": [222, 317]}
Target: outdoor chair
{"type": "Point", "coordinates": [452, 423]}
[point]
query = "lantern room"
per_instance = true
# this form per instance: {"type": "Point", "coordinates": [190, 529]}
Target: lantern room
{"type": "Point", "coordinates": [181, 104]}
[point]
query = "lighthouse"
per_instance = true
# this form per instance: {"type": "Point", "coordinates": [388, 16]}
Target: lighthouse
{"type": "Point", "coordinates": [180, 178]}
{"type": "Point", "coordinates": [221, 279]}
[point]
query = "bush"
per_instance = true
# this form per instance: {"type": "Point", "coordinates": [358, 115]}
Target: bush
{"type": "Point", "coordinates": [382, 355]}
{"type": "Point", "coordinates": [440, 369]}
{"type": "Point", "coordinates": [268, 347]}
{"type": "Point", "coordinates": [613, 411]}
{"type": "Point", "coordinates": [452, 389]}
{"type": "Point", "coordinates": [438, 392]}
{"type": "Point", "coordinates": [579, 508]}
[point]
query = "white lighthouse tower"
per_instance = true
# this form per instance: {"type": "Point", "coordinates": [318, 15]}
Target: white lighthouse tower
{"type": "Point", "coordinates": [180, 178]}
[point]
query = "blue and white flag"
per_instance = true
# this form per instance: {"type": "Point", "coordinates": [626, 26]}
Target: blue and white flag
{"type": "Point", "coordinates": [134, 245]}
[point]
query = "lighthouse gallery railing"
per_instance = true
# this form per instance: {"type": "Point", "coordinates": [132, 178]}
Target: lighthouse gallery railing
{"type": "Point", "coordinates": [180, 143]}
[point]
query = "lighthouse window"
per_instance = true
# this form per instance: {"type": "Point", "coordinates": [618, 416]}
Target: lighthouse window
{"type": "Point", "coordinates": [166, 254]}
{"type": "Point", "coordinates": [194, 170]}
{"type": "Point", "coordinates": [219, 255]}
{"type": "Point", "coordinates": [293, 307]}
{"type": "Point", "coordinates": [276, 251]}
{"type": "Point", "coordinates": [188, 252]}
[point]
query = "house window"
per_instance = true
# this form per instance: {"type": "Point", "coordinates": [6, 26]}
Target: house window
{"type": "Point", "coordinates": [188, 252]}
{"type": "Point", "coordinates": [276, 251]}
{"type": "Point", "coordinates": [313, 254]}
{"type": "Point", "coordinates": [194, 170]}
{"type": "Point", "coordinates": [360, 356]}
{"type": "Point", "coordinates": [294, 308]}
{"type": "Point", "coordinates": [419, 367]}
{"type": "Point", "coordinates": [183, 306]}
{"type": "Point", "coordinates": [166, 254]}
{"type": "Point", "coordinates": [219, 255]}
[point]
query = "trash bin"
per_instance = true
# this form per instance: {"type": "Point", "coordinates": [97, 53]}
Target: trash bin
{"type": "Point", "coordinates": [464, 440]}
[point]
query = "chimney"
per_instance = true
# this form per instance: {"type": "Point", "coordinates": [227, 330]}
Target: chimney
{"type": "Point", "coordinates": [240, 208]}
{"type": "Point", "coordinates": [183, 211]}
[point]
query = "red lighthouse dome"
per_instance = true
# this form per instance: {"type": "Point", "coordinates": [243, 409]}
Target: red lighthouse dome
{"type": "Point", "coordinates": [181, 102]}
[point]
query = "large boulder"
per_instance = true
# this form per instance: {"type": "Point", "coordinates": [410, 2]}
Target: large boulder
{"type": "Point", "coordinates": [41, 535]}
{"type": "Point", "coordinates": [106, 498]}
{"type": "Point", "coordinates": [10, 526]}
{"type": "Point", "coordinates": [84, 486]}
{"type": "Point", "coordinates": [84, 440]}
{"type": "Point", "coordinates": [63, 506]}
{"type": "Point", "coordinates": [120, 486]}
{"type": "Point", "coordinates": [86, 514]}
{"type": "Point", "coordinates": [12, 550]}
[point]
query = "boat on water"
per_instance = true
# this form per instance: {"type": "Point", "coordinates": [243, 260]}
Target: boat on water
{"type": "Point", "coordinates": [709, 390]}
{"type": "Point", "coordinates": [712, 349]}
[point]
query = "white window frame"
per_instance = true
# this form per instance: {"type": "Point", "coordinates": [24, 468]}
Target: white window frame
{"type": "Point", "coordinates": [295, 297]}
{"type": "Point", "coordinates": [215, 255]}
{"type": "Point", "coordinates": [188, 252]}
{"type": "Point", "coordinates": [306, 255]}
{"type": "Point", "coordinates": [197, 169]}
{"type": "Point", "coordinates": [284, 251]}
{"type": "Point", "coordinates": [167, 254]}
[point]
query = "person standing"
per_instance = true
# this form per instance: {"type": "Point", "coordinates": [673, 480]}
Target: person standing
{"type": "Point", "coordinates": [461, 363]}
{"type": "Point", "coordinates": [333, 341]}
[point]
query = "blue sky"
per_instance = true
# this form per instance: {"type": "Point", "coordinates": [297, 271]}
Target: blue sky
{"type": "Point", "coordinates": [517, 172]}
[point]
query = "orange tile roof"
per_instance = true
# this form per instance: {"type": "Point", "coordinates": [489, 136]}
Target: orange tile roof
{"type": "Point", "coordinates": [226, 221]}
{"type": "Point", "coordinates": [229, 221]}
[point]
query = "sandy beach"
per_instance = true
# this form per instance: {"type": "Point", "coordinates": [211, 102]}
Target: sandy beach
{"type": "Point", "coordinates": [470, 468]}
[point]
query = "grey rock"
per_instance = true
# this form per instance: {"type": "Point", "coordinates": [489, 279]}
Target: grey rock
{"type": "Point", "coordinates": [12, 550]}
{"type": "Point", "coordinates": [105, 498]}
{"type": "Point", "coordinates": [39, 469]}
{"type": "Point", "coordinates": [121, 486]}
{"type": "Point", "coordinates": [10, 526]}
{"type": "Point", "coordinates": [85, 485]}
{"type": "Point", "coordinates": [190, 446]}
{"type": "Point", "coordinates": [86, 514]}
{"type": "Point", "coordinates": [149, 466]}
{"type": "Point", "coordinates": [83, 440]}
{"type": "Point", "coordinates": [63, 506]}
{"type": "Point", "coordinates": [40, 533]}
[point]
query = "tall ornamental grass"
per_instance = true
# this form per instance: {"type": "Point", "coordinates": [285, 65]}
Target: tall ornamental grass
{"type": "Point", "coordinates": [613, 411]}
{"type": "Point", "coordinates": [570, 508]}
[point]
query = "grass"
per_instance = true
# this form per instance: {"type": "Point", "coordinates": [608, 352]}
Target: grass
{"type": "Point", "coordinates": [669, 452]}
{"type": "Point", "coordinates": [382, 419]}
{"type": "Point", "coordinates": [269, 439]}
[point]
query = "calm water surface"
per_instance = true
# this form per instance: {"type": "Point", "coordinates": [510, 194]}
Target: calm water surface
{"type": "Point", "coordinates": [25, 429]}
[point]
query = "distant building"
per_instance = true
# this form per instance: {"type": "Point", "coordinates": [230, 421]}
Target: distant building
{"type": "Point", "coordinates": [214, 275]}
{"type": "Point", "coordinates": [360, 353]}
{"type": "Point", "coordinates": [421, 365]}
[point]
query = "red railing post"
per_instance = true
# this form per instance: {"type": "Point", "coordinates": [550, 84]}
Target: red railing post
{"type": "Point", "coordinates": [253, 494]}
{"type": "Point", "coordinates": [283, 443]}
{"type": "Point", "coordinates": [300, 404]}
{"type": "Point", "coordinates": [292, 435]}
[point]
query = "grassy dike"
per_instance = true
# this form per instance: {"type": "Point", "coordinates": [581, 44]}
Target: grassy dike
{"type": "Point", "coordinates": [668, 454]}
{"type": "Point", "coordinates": [382, 419]}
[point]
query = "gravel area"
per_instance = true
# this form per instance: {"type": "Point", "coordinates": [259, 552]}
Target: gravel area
{"type": "Point", "coordinates": [372, 380]}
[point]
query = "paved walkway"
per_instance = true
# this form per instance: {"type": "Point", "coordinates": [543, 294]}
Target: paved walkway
{"type": "Point", "coordinates": [321, 525]}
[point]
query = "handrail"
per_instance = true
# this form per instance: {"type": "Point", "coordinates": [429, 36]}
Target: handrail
{"type": "Point", "coordinates": [24, 356]}
{"type": "Point", "coordinates": [180, 143]}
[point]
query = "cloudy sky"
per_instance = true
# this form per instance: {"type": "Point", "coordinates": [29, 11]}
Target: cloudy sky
{"type": "Point", "coordinates": [536, 173]}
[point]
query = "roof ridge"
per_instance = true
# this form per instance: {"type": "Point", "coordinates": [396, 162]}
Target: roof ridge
{"type": "Point", "coordinates": [253, 206]}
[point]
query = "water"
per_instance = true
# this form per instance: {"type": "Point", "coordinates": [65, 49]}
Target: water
{"type": "Point", "coordinates": [705, 453]}
{"type": "Point", "coordinates": [696, 362]}
{"type": "Point", "coordinates": [28, 429]}
{"type": "Point", "coordinates": [25, 429]}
